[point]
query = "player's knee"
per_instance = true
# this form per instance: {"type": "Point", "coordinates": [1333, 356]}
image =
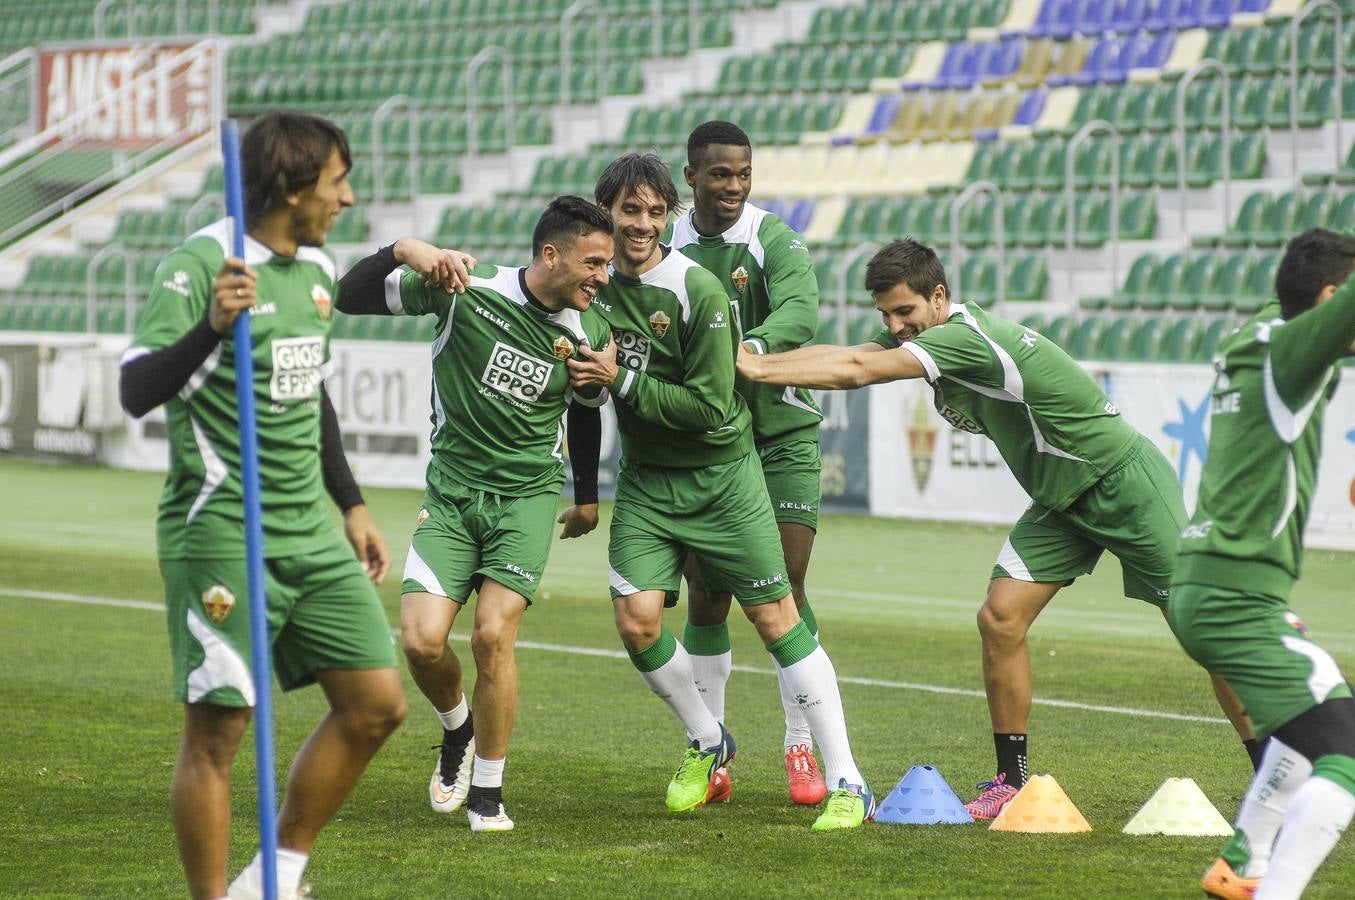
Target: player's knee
{"type": "Point", "coordinates": [376, 719]}
{"type": "Point", "coordinates": [491, 642]}
{"type": "Point", "coordinates": [998, 626]}
{"type": "Point", "coordinates": [212, 735]}
{"type": "Point", "coordinates": [422, 648]}
{"type": "Point", "coordinates": [637, 633]}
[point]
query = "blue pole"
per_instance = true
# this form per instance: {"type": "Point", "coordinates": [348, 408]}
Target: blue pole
{"type": "Point", "coordinates": [260, 647]}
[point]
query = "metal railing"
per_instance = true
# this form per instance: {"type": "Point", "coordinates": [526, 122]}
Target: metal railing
{"type": "Point", "coordinates": [14, 70]}
{"type": "Point", "coordinates": [957, 207]}
{"type": "Point", "coordinates": [1339, 82]}
{"type": "Point", "coordinates": [1094, 127]}
{"type": "Point", "coordinates": [1226, 156]}
{"type": "Point", "coordinates": [845, 264]}
{"type": "Point", "coordinates": [206, 201]}
{"type": "Point", "coordinates": [473, 101]}
{"type": "Point", "coordinates": [378, 155]}
{"type": "Point", "coordinates": [92, 286]}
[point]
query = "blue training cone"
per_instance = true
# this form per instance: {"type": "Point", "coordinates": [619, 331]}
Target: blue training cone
{"type": "Point", "coordinates": [922, 797]}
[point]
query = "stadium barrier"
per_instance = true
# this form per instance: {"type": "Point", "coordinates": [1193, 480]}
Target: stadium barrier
{"type": "Point", "coordinates": [886, 449]}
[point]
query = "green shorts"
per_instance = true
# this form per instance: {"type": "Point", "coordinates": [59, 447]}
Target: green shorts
{"type": "Point", "coordinates": [465, 535]}
{"type": "Point", "coordinates": [721, 513]}
{"type": "Point", "coordinates": [1257, 645]}
{"type": "Point", "coordinates": [1135, 511]}
{"type": "Point", "coordinates": [323, 613]}
{"type": "Point", "coordinates": [791, 471]}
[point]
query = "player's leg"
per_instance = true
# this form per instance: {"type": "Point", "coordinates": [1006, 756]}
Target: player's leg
{"type": "Point", "coordinates": [200, 793]}
{"type": "Point", "coordinates": [443, 556]}
{"type": "Point", "coordinates": [208, 623]}
{"type": "Point", "coordinates": [645, 558]}
{"type": "Point", "coordinates": [706, 636]}
{"type": "Point", "coordinates": [804, 780]}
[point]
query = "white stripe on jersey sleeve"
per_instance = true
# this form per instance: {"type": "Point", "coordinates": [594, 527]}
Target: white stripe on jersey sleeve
{"type": "Point", "coordinates": [393, 301]}
{"type": "Point", "coordinates": [923, 357]}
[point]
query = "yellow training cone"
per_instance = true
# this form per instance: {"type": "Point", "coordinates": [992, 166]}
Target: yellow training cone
{"type": "Point", "coordinates": [1179, 807]}
{"type": "Point", "coordinates": [1042, 807]}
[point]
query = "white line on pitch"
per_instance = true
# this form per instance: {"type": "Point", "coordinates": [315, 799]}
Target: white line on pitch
{"type": "Point", "coordinates": [620, 654]}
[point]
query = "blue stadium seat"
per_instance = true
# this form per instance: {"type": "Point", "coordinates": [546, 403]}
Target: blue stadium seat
{"type": "Point", "coordinates": [1052, 15]}
{"type": "Point", "coordinates": [886, 110]}
{"type": "Point", "coordinates": [1163, 15]}
{"type": "Point", "coordinates": [1129, 16]}
{"type": "Point", "coordinates": [1217, 13]}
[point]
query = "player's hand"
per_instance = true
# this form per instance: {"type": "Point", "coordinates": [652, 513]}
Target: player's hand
{"type": "Point", "coordinates": [597, 367]}
{"type": "Point", "coordinates": [448, 269]}
{"type": "Point", "coordinates": [232, 292]}
{"type": "Point", "coordinates": [747, 364]}
{"type": "Point", "coordinates": [578, 520]}
{"type": "Point", "coordinates": [367, 542]}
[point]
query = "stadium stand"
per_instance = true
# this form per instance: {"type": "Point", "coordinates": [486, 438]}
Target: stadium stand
{"type": "Point", "coordinates": [867, 125]}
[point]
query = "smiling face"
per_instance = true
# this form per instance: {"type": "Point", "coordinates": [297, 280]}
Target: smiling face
{"type": "Point", "coordinates": [639, 218]}
{"type": "Point", "coordinates": [720, 183]}
{"type": "Point", "coordinates": [315, 208]}
{"type": "Point", "coordinates": [907, 314]}
{"type": "Point", "coordinates": [576, 271]}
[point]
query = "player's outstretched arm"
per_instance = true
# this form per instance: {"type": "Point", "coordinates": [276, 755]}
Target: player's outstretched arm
{"type": "Point", "coordinates": [149, 378]}
{"type": "Point", "coordinates": [362, 291]}
{"type": "Point", "coordinates": [830, 368]}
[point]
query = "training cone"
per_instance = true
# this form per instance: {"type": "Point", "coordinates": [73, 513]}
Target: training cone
{"type": "Point", "coordinates": [1041, 806]}
{"type": "Point", "coordinates": [922, 797]}
{"type": "Point", "coordinates": [1179, 807]}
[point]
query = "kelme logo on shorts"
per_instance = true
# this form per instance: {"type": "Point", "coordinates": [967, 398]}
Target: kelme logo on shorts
{"type": "Point", "coordinates": [739, 278]}
{"type": "Point", "coordinates": [297, 364]}
{"type": "Point", "coordinates": [218, 602]}
{"type": "Point", "coordinates": [658, 323]}
{"type": "Point", "coordinates": [512, 372]}
{"type": "Point", "coordinates": [632, 351]}
{"type": "Point", "coordinates": [562, 347]}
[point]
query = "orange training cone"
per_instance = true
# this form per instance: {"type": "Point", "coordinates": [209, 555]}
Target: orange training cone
{"type": "Point", "coordinates": [1041, 806]}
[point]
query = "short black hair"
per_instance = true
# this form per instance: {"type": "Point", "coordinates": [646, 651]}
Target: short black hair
{"type": "Point", "coordinates": [715, 131]}
{"type": "Point", "coordinates": [909, 262]}
{"type": "Point", "coordinates": [1312, 260]}
{"type": "Point", "coordinates": [631, 171]}
{"type": "Point", "coordinates": [567, 219]}
{"type": "Point", "coordinates": [284, 151]}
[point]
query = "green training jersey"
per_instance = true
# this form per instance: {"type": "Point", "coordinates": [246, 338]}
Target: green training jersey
{"type": "Point", "coordinates": [1273, 380]}
{"type": "Point", "coordinates": [676, 340]}
{"type": "Point", "coordinates": [201, 514]}
{"type": "Point", "coordinates": [500, 383]}
{"type": "Point", "coordinates": [1054, 426]}
{"type": "Point", "coordinates": [764, 267]}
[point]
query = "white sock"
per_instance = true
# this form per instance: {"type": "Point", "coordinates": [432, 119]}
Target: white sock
{"type": "Point", "coordinates": [815, 679]}
{"type": "Point", "coordinates": [675, 685]}
{"type": "Point", "coordinates": [711, 674]}
{"type": "Point", "coordinates": [487, 773]}
{"type": "Point", "coordinates": [797, 726]}
{"type": "Point", "coordinates": [1283, 769]}
{"type": "Point", "coordinates": [455, 717]}
{"type": "Point", "coordinates": [291, 865]}
{"type": "Point", "coordinates": [1319, 812]}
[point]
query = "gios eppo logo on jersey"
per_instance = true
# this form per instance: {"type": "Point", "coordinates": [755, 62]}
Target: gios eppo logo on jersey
{"type": "Point", "coordinates": [512, 372]}
{"type": "Point", "coordinates": [298, 365]}
{"type": "Point", "coordinates": [632, 351]}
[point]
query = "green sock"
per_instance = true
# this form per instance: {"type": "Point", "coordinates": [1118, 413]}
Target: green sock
{"type": "Point", "coordinates": [811, 622]}
{"type": "Point", "coordinates": [706, 640]}
{"type": "Point", "coordinates": [657, 654]}
{"type": "Point", "coordinates": [793, 646]}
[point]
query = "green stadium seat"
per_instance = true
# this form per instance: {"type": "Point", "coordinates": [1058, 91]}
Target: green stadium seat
{"type": "Point", "coordinates": [1146, 344]}
{"type": "Point", "coordinates": [1210, 337]}
{"type": "Point", "coordinates": [1058, 330]}
{"type": "Point", "coordinates": [1282, 220]}
{"type": "Point", "coordinates": [1115, 339]}
{"type": "Point", "coordinates": [1026, 279]}
{"type": "Point", "coordinates": [1250, 220]}
{"type": "Point", "coordinates": [1200, 274]}
{"type": "Point", "coordinates": [1180, 342]}
{"type": "Point", "coordinates": [1230, 278]}
{"type": "Point", "coordinates": [1086, 337]}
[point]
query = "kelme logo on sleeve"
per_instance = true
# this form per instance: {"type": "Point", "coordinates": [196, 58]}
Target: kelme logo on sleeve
{"type": "Point", "coordinates": [658, 323]}
{"type": "Point", "coordinates": [562, 348]}
{"type": "Point", "coordinates": [323, 301]}
{"type": "Point", "coordinates": [512, 372]}
{"type": "Point", "coordinates": [739, 278]}
{"type": "Point", "coordinates": [179, 284]}
{"type": "Point", "coordinates": [297, 365]}
{"type": "Point", "coordinates": [218, 602]}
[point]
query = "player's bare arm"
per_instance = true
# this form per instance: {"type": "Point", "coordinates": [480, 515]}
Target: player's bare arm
{"type": "Point", "coordinates": [449, 269]}
{"type": "Point", "coordinates": [367, 542]}
{"type": "Point", "coordinates": [830, 368]}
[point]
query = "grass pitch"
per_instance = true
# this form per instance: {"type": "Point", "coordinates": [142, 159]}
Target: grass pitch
{"type": "Point", "coordinates": [90, 734]}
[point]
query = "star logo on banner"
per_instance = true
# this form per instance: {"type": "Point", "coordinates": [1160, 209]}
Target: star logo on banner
{"type": "Point", "coordinates": [1190, 432]}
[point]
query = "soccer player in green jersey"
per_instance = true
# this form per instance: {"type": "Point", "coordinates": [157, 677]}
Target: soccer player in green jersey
{"type": "Point", "coordinates": [1095, 483]}
{"type": "Point", "coordinates": [499, 392]}
{"type": "Point", "coordinates": [764, 267]}
{"type": "Point", "coordinates": [689, 481]}
{"type": "Point", "coordinates": [325, 621]}
{"type": "Point", "coordinates": [1240, 556]}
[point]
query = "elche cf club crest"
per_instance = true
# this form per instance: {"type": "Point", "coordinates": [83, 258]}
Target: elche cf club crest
{"type": "Point", "coordinates": [739, 278]}
{"type": "Point", "coordinates": [218, 602]}
{"type": "Point", "coordinates": [658, 323]}
{"type": "Point", "coordinates": [323, 301]}
{"type": "Point", "coordinates": [423, 515]}
{"type": "Point", "coordinates": [921, 442]}
{"type": "Point", "coordinates": [562, 348]}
